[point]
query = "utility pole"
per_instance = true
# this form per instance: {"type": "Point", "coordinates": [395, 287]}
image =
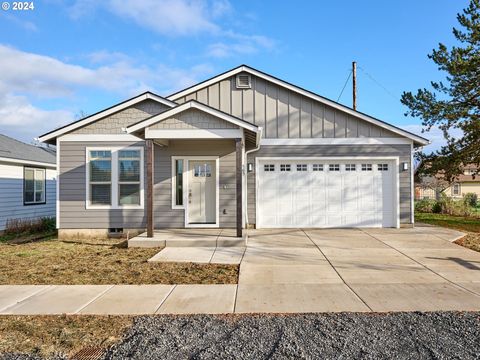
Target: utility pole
{"type": "Point", "coordinates": [354, 77]}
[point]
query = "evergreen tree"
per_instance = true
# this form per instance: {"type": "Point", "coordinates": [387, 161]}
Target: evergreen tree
{"type": "Point", "coordinates": [454, 103]}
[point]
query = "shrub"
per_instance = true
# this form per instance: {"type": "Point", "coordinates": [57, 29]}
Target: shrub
{"type": "Point", "coordinates": [470, 199]}
{"type": "Point", "coordinates": [424, 205]}
{"type": "Point", "coordinates": [19, 226]}
{"type": "Point", "coordinates": [437, 207]}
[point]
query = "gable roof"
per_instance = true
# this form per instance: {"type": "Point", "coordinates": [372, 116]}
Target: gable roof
{"type": "Point", "coordinates": [192, 104]}
{"type": "Point", "coordinates": [111, 110]}
{"type": "Point", "coordinates": [11, 150]}
{"type": "Point", "coordinates": [418, 140]}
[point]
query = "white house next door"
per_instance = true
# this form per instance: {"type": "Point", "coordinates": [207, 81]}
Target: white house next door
{"type": "Point", "coordinates": [201, 196]}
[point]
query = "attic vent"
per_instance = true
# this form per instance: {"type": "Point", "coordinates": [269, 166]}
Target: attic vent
{"type": "Point", "coordinates": [244, 81]}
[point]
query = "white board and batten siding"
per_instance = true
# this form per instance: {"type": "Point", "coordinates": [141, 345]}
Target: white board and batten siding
{"type": "Point", "coordinates": [11, 194]}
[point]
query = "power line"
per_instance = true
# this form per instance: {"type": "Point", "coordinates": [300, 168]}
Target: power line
{"type": "Point", "coordinates": [346, 82]}
{"type": "Point", "coordinates": [378, 83]}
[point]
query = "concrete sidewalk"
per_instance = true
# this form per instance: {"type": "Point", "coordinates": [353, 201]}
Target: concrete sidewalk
{"type": "Point", "coordinates": [288, 271]}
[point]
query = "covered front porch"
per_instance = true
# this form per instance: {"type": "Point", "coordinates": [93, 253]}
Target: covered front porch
{"type": "Point", "coordinates": [194, 176]}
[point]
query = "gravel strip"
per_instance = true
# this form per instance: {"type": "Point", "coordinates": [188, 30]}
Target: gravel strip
{"type": "Point", "coordinates": [440, 335]}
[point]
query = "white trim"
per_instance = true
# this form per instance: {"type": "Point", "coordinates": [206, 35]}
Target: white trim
{"type": "Point", "coordinates": [44, 190]}
{"type": "Point", "coordinates": [412, 188]}
{"type": "Point", "coordinates": [174, 182]}
{"type": "Point", "coordinates": [396, 159]}
{"type": "Point", "coordinates": [104, 113]}
{"type": "Point", "coordinates": [28, 162]}
{"type": "Point", "coordinates": [303, 92]}
{"type": "Point", "coordinates": [57, 200]}
{"type": "Point", "coordinates": [98, 137]}
{"type": "Point", "coordinates": [193, 134]}
{"type": "Point", "coordinates": [338, 141]}
{"type": "Point", "coordinates": [189, 105]}
{"type": "Point", "coordinates": [217, 193]}
{"type": "Point", "coordinates": [114, 178]}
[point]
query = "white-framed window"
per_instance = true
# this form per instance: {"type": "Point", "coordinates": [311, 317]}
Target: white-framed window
{"type": "Point", "coordinates": [350, 167]}
{"type": "Point", "coordinates": [129, 162]}
{"type": "Point", "coordinates": [334, 167]}
{"type": "Point", "coordinates": [285, 167]}
{"type": "Point", "coordinates": [269, 167]}
{"type": "Point", "coordinates": [317, 167]}
{"type": "Point", "coordinates": [366, 167]}
{"type": "Point", "coordinates": [456, 190]}
{"type": "Point", "coordinates": [178, 182]}
{"type": "Point", "coordinates": [301, 167]}
{"type": "Point", "coordinates": [34, 186]}
{"type": "Point", "coordinates": [382, 167]}
{"type": "Point", "coordinates": [114, 177]}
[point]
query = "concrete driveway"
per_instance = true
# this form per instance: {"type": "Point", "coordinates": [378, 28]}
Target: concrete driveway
{"type": "Point", "coordinates": [357, 270]}
{"type": "Point", "coordinates": [291, 271]}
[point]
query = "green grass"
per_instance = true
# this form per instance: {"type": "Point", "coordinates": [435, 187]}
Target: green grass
{"type": "Point", "coordinates": [454, 222]}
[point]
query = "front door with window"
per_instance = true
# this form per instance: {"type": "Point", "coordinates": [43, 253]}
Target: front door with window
{"type": "Point", "coordinates": [201, 192]}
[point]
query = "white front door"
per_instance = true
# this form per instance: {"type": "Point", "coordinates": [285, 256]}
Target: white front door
{"type": "Point", "coordinates": [201, 192]}
{"type": "Point", "coordinates": [326, 193]}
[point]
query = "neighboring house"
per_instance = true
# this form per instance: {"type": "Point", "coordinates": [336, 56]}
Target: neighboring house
{"type": "Point", "coordinates": [241, 149]}
{"type": "Point", "coordinates": [464, 183]}
{"type": "Point", "coordinates": [27, 181]}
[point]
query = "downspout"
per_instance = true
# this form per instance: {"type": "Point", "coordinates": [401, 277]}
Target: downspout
{"type": "Point", "coordinates": [260, 129]}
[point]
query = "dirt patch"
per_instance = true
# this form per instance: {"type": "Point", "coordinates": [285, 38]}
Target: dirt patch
{"type": "Point", "coordinates": [471, 241]}
{"type": "Point", "coordinates": [59, 335]}
{"type": "Point", "coordinates": [100, 262]}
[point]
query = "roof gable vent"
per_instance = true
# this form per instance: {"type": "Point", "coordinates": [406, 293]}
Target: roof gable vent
{"type": "Point", "coordinates": [244, 81]}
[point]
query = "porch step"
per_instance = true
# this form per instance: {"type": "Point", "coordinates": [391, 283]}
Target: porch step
{"type": "Point", "coordinates": [166, 239]}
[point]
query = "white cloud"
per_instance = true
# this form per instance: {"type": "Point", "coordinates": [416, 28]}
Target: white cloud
{"type": "Point", "coordinates": [28, 76]}
{"type": "Point", "coordinates": [183, 18]}
{"type": "Point", "coordinates": [24, 121]}
{"type": "Point", "coordinates": [45, 76]}
{"type": "Point", "coordinates": [435, 135]}
{"type": "Point", "coordinates": [242, 45]}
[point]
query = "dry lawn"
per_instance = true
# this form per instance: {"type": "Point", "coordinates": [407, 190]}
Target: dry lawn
{"type": "Point", "coordinates": [100, 262]}
{"type": "Point", "coordinates": [471, 241]}
{"type": "Point", "coordinates": [50, 335]}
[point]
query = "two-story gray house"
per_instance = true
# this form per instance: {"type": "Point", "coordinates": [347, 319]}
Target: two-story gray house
{"type": "Point", "coordinates": [241, 149]}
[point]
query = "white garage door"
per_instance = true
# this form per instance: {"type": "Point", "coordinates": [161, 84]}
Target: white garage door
{"type": "Point", "coordinates": [333, 193]}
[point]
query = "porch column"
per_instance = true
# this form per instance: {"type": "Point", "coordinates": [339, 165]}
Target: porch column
{"type": "Point", "coordinates": [149, 187]}
{"type": "Point", "coordinates": [238, 152]}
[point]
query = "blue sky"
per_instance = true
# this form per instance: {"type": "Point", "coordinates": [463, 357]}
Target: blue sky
{"type": "Point", "coordinates": [67, 57]}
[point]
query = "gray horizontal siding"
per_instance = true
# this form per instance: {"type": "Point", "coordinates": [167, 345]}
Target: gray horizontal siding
{"type": "Point", "coordinates": [342, 151]}
{"type": "Point", "coordinates": [72, 193]}
{"type": "Point", "coordinates": [74, 215]}
{"type": "Point", "coordinates": [113, 124]}
{"type": "Point", "coordinates": [283, 113]}
{"type": "Point", "coordinates": [164, 215]}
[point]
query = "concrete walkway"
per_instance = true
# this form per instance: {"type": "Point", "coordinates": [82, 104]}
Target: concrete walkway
{"type": "Point", "coordinates": [294, 271]}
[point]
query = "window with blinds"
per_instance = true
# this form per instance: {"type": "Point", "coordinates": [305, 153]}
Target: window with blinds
{"type": "Point", "coordinates": [100, 177]}
{"type": "Point", "coordinates": [129, 177]}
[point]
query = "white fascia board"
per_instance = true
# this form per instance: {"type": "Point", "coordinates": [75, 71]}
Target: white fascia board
{"type": "Point", "coordinates": [27, 162]}
{"type": "Point", "coordinates": [338, 141]}
{"type": "Point", "coordinates": [98, 137]}
{"type": "Point", "coordinates": [303, 92]}
{"type": "Point", "coordinates": [190, 105]}
{"type": "Point", "coordinates": [193, 134]}
{"type": "Point", "coordinates": [102, 114]}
